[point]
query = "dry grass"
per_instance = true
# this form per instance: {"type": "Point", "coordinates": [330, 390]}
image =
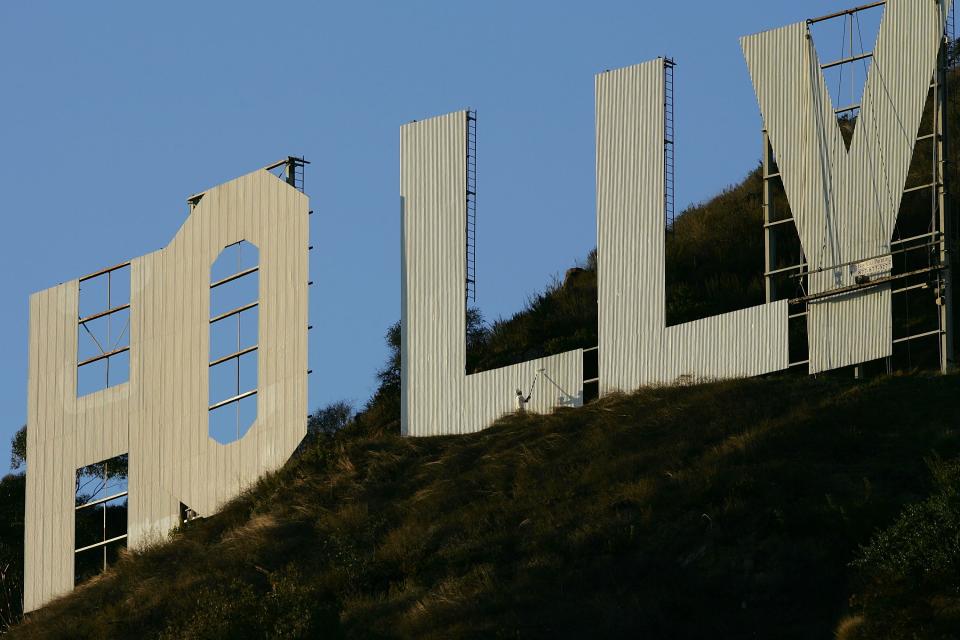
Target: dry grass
{"type": "Point", "coordinates": [850, 628]}
{"type": "Point", "coordinates": [722, 510]}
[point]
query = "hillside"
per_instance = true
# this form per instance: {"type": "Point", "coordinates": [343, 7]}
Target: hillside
{"type": "Point", "coordinates": [727, 510]}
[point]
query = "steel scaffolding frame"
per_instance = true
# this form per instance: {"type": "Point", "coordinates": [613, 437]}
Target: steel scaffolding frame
{"type": "Point", "coordinates": [939, 241]}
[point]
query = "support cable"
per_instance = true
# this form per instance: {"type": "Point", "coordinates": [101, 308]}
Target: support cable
{"type": "Point", "coordinates": [883, 165]}
{"type": "Point", "coordinates": [99, 346]}
{"type": "Point", "coordinates": [827, 176]}
{"type": "Point", "coordinates": [534, 383]}
{"type": "Point", "coordinates": [843, 42]}
{"type": "Point", "coordinates": [126, 325]}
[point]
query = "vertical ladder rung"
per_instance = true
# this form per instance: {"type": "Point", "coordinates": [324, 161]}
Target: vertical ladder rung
{"type": "Point", "coordinates": [471, 195]}
{"type": "Point", "coordinates": [668, 138]}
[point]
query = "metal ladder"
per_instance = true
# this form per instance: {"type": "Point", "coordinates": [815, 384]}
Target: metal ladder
{"type": "Point", "coordinates": [290, 170]}
{"type": "Point", "coordinates": [668, 145]}
{"type": "Point", "coordinates": [951, 28]}
{"type": "Point", "coordinates": [294, 172]}
{"type": "Point", "coordinates": [298, 175]}
{"type": "Point", "coordinates": [471, 231]}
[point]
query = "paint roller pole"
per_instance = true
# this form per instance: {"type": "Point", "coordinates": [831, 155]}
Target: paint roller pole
{"type": "Point", "coordinates": [521, 401]}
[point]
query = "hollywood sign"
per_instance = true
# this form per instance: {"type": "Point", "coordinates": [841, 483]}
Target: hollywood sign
{"type": "Point", "coordinates": [844, 203]}
{"type": "Point", "coordinates": [153, 444]}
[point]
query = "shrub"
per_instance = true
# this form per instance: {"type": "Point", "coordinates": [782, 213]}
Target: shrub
{"type": "Point", "coordinates": [911, 570]}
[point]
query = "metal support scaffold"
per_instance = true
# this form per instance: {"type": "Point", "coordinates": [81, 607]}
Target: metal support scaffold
{"type": "Point", "coordinates": [942, 173]}
{"type": "Point", "coordinates": [922, 261]}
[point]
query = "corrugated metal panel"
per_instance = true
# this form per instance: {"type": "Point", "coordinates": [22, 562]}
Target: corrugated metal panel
{"type": "Point", "coordinates": [433, 187]}
{"type": "Point", "coordinates": [437, 397]}
{"type": "Point", "coordinates": [57, 434]}
{"type": "Point", "coordinates": [844, 203]}
{"type": "Point", "coordinates": [160, 415]}
{"type": "Point", "coordinates": [30, 521]}
{"type": "Point", "coordinates": [492, 394]}
{"type": "Point", "coordinates": [192, 467]}
{"type": "Point", "coordinates": [636, 348]}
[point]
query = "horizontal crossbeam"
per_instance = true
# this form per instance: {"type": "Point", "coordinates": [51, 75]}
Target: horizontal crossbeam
{"type": "Point", "coordinates": [95, 316]}
{"type": "Point", "coordinates": [237, 354]}
{"type": "Point", "coordinates": [103, 356]}
{"type": "Point", "coordinates": [233, 312]}
{"type": "Point", "coordinates": [235, 276]}
{"type": "Point", "coordinates": [236, 398]}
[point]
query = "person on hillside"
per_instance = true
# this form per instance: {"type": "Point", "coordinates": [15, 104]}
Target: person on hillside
{"type": "Point", "coordinates": [521, 401]}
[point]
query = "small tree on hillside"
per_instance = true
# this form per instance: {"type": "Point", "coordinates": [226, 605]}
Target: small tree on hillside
{"type": "Point", "coordinates": [389, 375]}
{"type": "Point", "coordinates": [18, 448]}
{"type": "Point", "coordinates": [330, 419]}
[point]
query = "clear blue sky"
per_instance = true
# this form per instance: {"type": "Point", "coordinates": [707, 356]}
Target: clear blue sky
{"type": "Point", "coordinates": [112, 113]}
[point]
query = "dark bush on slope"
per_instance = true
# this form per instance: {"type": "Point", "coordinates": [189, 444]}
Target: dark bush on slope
{"type": "Point", "coordinates": [911, 570]}
{"type": "Point", "coordinates": [12, 492]}
{"type": "Point", "coordinates": [562, 317]}
{"type": "Point", "coordinates": [714, 254]}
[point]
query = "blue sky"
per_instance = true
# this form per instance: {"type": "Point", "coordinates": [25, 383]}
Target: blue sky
{"type": "Point", "coordinates": [112, 113]}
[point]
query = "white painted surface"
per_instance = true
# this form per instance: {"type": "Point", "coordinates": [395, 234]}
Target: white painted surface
{"type": "Point", "coordinates": [438, 398]}
{"type": "Point", "coordinates": [636, 346]}
{"type": "Point", "coordinates": [159, 416]}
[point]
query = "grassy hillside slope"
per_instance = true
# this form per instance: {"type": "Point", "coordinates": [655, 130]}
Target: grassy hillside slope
{"type": "Point", "coordinates": [728, 510]}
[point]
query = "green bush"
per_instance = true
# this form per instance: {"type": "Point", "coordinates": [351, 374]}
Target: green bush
{"type": "Point", "coordinates": [911, 569]}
